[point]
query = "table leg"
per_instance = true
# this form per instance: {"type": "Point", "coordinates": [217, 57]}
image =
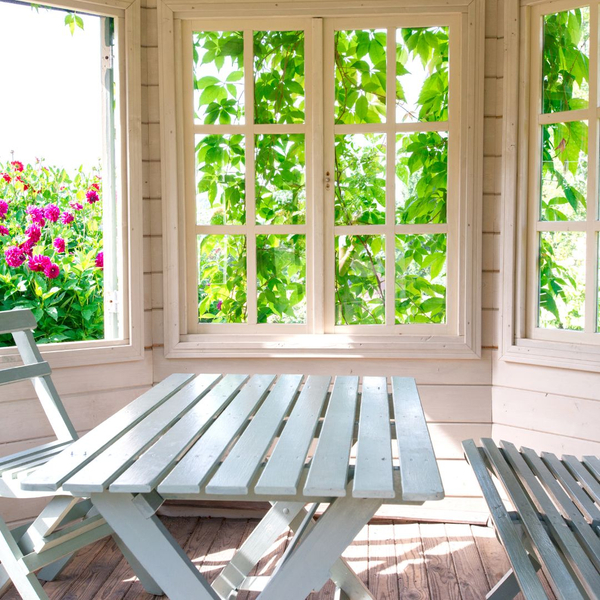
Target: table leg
{"type": "Point", "coordinates": [154, 547]}
{"type": "Point", "coordinates": [308, 568]}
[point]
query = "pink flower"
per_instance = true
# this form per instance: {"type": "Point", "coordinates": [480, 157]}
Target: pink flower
{"type": "Point", "coordinates": [17, 165]}
{"type": "Point", "coordinates": [92, 196]}
{"type": "Point", "coordinates": [219, 304]}
{"type": "Point", "coordinates": [34, 233]}
{"type": "Point", "coordinates": [95, 186]}
{"type": "Point", "coordinates": [38, 262]}
{"type": "Point", "coordinates": [51, 271]}
{"type": "Point", "coordinates": [6, 177]}
{"type": "Point", "coordinates": [3, 209]}
{"type": "Point", "coordinates": [36, 215]}
{"type": "Point", "coordinates": [76, 206]}
{"type": "Point", "coordinates": [100, 260]}
{"type": "Point", "coordinates": [27, 247]}
{"type": "Point", "coordinates": [14, 256]}
{"type": "Point", "coordinates": [52, 212]}
{"type": "Point", "coordinates": [67, 218]}
{"type": "Point", "coordinates": [59, 245]}
{"type": "Point", "coordinates": [3, 230]}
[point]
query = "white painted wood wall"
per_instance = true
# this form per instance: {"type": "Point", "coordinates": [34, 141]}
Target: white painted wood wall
{"type": "Point", "coordinates": [545, 408]}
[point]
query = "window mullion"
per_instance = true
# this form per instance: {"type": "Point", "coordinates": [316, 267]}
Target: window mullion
{"type": "Point", "coordinates": [250, 177]}
{"type": "Point", "coordinates": [390, 187]}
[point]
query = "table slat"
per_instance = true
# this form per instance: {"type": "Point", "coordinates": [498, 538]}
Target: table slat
{"type": "Point", "coordinates": [373, 475]}
{"type": "Point", "coordinates": [52, 475]}
{"type": "Point", "coordinates": [242, 462]}
{"type": "Point", "coordinates": [581, 499]}
{"type": "Point", "coordinates": [99, 474]}
{"type": "Point", "coordinates": [328, 472]}
{"type": "Point", "coordinates": [593, 464]}
{"type": "Point", "coordinates": [189, 474]}
{"type": "Point", "coordinates": [283, 469]}
{"type": "Point", "coordinates": [418, 467]}
{"type": "Point", "coordinates": [586, 479]}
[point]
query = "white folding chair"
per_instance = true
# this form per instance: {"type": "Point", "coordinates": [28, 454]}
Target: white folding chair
{"type": "Point", "coordinates": [66, 524]}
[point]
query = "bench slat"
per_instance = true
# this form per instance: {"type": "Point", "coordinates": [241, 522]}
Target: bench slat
{"type": "Point", "coordinates": [561, 579]}
{"type": "Point", "coordinates": [30, 452]}
{"type": "Point", "coordinates": [17, 319]}
{"type": "Point", "coordinates": [24, 372]}
{"type": "Point", "coordinates": [570, 511]}
{"type": "Point", "coordinates": [584, 477]}
{"type": "Point", "coordinates": [420, 475]}
{"type": "Point", "coordinates": [523, 569]}
{"type": "Point", "coordinates": [562, 534]}
{"type": "Point", "coordinates": [104, 469]}
{"type": "Point", "coordinates": [285, 465]}
{"type": "Point", "coordinates": [52, 475]}
{"type": "Point", "coordinates": [373, 475]}
{"type": "Point", "coordinates": [191, 471]}
{"type": "Point", "coordinates": [581, 499]}
{"type": "Point", "coordinates": [328, 474]}
{"type": "Point", "coordinates": [593, 464]}
{"type": "Point", "coordinates": [242, 462]}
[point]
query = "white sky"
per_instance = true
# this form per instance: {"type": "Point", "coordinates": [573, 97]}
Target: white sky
{"type": "Point", "coordinates": [50, 104]}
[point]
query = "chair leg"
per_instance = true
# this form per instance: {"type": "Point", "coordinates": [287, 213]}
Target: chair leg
{"type": "Point", "coordinates": [53, 570]}
{"type": "Point", "coordinates": [27, 584]}
{"type": "Point", "coordinates": [508, 587]}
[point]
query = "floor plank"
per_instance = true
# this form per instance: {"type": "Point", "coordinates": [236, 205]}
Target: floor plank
{"type": "Point", "coordinates": [401, 561]}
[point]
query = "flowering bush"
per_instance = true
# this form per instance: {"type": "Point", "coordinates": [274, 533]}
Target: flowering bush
{"type": "Point", "coordinates": [51, 256]}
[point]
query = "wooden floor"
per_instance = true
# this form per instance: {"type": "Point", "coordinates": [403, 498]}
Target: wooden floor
{"type": "Point", "coordinates": [409, 561]}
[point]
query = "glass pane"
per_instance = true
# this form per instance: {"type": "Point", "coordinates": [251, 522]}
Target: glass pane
{"type": "Point", "coordinates": [422, 74]}
{"type": "Point", "coordinates": [564, 171]}
{"type": "Point", "coordinates": [360, 280]}
{"type": "Point", "coordinates": [421, 177]}
{"type": "Point", "coordinates": [562, 280]}
{"type": "Point", "coordinates": [598, 284]}
{"type": "Point", "coordinates": [280, 179]}
{"type": "Point", "coordinates": [281, 278]}
{"type": "Point", "coordinates": [279, 76]}
{"type": "Point", "coordinates": [218, 76]}
{"type": "Point", "coordinates": [421, 278]}
{"type": "Point", "coordinates": [220, 180]}
{"type": "Point", "coordinates": [360, 179]}
{"type": "Point", "coordinates": [222, 279]}
{"type": "Point", "coordinates": [565, 60]}
{"type": "Point", "coordinates": [360, 76]}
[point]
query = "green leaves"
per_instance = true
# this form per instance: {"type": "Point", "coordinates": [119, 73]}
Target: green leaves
{"type": "Point", "coordinates": [73, 20]}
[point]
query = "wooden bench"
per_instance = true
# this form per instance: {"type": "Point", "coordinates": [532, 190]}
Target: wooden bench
{"type": "Point", "coordinates": [555, 524]}
{"type": "Point", "coordinates": [66, 524]}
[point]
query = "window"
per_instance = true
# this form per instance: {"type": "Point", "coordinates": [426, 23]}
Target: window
{"type": "Point", "coordinates": [564, 225]}
{"type": "Point", "coordinates": [67, 168]}
{"type": "Point", "coordinates": [328, 179]}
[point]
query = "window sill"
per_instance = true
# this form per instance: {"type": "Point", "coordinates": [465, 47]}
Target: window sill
{"type": "Point", "coordinates": [579, 357]}
{"type": "Point", "coordinates": [81, 354]}
{"type": "Point", "coordinates": [322, 346]}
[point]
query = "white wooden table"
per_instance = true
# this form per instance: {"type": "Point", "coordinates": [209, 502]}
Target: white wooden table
{"type": "Point", "coordinates": [291, 440]}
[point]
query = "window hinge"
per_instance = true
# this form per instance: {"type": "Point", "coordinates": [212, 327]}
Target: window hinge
{"type": "Point", "coordinates": [107, 58]}
{"type": "Point", "coordinates": [112, 301]}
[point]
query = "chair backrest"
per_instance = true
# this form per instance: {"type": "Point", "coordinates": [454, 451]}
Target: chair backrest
{"type": "Point", "coordinates": [19, 323]}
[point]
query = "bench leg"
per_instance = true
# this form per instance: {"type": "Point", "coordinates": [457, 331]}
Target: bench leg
{"type": "Point", "coordinates": [53, 570]}
{"type": "Point", "coordinates": [308, 567]}
{"type": "Point", "coordinates": [145, 579]}
{"type": "Point", "coordinates": [508, 587]}
{"type": "Point", "coordinates": [154, 547]}
{"type": "Point", "coordinates": [27, 584]}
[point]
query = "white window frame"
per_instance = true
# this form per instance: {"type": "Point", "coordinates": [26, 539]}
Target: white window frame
{"type": "Point", "coordinates": [522, 340]}
{"type": "Point", "coordinates": [130, 345]}
{"type": "Point", "coordinates": [460, 337]}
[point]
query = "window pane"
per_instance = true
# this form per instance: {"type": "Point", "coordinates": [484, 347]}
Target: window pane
{"type": "Point", "coordinates": [280, 179]}
{"type": "Point", "coordinates": [220, 180]}
{"type": "Point", "coordinates": [598, 284]}
{"type": "Point", "coordinates": [360, 280]}
{"type": "Point", "coordinates": [421, 177]}
{"type": "Point", "coordinates": [279, 76]}
{"type": "Point", "coordinates": [421, 278]}
{"type": "Point", "coordinates": [562, 280]}
{"type": "Point", "coordinates": [564, 171]}
{"type": "Point", "coordinates": [360, 76]}
{"type": "Point", "coordinates": [565, 60]}
{"type": "Point", "coordinates": [222, 279]}
{"type": "Point", "coordinates": [360, 179]}
{"type": "Point", "coordinates": [281, 278]}
{"type": "Point", "coordinates": [218, 76]}
{"type": "Point", "coordinates": [422, 74]}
